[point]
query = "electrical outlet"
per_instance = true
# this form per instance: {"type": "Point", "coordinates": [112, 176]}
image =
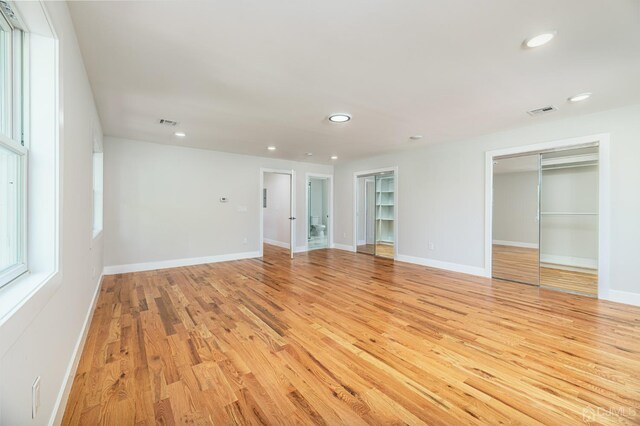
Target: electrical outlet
{"type": "Point", "coordinates": [432, 246]}
{"type": "Point", "coordinates": [244, 240]}
{"type": "Point", "coordinates": [35, 397]}
{"type": "Point", "coordinates": [344, 235]}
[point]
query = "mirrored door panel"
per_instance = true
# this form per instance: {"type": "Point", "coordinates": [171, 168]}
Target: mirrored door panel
{"type": "Point", "coordinates": [515, 236]}
{"type": "Point", "coordinates": [569, 221]}
{"type": "Point", "coordinates": [365, 214]}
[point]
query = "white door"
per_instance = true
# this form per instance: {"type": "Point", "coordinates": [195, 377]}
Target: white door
{"type": "Point", "coordinates": [292, 214]}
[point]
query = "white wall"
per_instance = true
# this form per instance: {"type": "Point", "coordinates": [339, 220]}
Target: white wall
{"type": "Point", "coordinates": [441, 192]}
{"type": "Point", "coordinates": [276, 216]}
{"type": "Point", "coordinates": [162, 202]}
{"type": "Point", "coordinates": [51, 332]}
{"type": "Point", "coordinates": [515, 207]}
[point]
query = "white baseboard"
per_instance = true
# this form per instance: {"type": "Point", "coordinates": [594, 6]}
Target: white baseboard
{"type": "Point", "coordinates": [343, 247]}
{"type": "Point", "coordinates": [515, 244]}
{"type": "Point", "coordinates": [625, 297]}
{"type": "Point", "coordinates": [577, 262]}
{"type": "Point", "coordinates": [301, 249]}
{"type": "Point", "coordinates": [439, 264]}
{"type": "Point", "coordinates": [276, 243]}
{"type": "Point", "coordinates": [164, 264]}
{"type": "Point", "coordinates": [63, 396]}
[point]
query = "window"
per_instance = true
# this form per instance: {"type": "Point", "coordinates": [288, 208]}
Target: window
{"type": "Point", "coordinates": [97, 193]}
{"type": "Point", "coordinates": [13, 153]}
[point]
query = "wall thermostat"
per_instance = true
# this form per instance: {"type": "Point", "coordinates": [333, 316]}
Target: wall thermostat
{"type": "Point", "coordinates": [223, 199]}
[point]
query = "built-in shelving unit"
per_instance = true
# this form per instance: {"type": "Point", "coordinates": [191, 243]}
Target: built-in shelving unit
{"type": "Point", "coordinates": [385, 205]}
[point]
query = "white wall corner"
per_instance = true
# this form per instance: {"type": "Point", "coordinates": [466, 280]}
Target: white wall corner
{"type": "Point", "coordinates": [276, 243]}
{"type": "Point", "coordinates": [438, 264]}
{"type": "Point", "coordinates": [175, 263]}
{"type": "Point", "coordinates": [344, 247]}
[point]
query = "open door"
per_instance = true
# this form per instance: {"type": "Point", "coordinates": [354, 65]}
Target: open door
{"type": "Point", "coordinates": [277, 212]}
{"type": "Point", "coordinates": [292, 214]}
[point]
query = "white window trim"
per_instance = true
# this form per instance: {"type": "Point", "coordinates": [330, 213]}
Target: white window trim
{"type": "Point", "coordinates": [15, 122]}
{"type": "Point", "coordinates": [26, 295]}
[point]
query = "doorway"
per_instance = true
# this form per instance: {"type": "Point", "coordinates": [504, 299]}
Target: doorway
{"type": "Point", "coordinates": [319, 211]}
{"type": "Point", "coordinates": [375, 212]}
{"type": "Point", "coordinates": [277, 209]}
{"type": "Point", "coordinates": [546, 218]}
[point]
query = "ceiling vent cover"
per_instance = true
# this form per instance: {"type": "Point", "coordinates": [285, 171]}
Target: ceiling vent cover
{"type": "Point", "coordinates": [166, 122]}
{"type": "Point", "coordinates": [543, 110]}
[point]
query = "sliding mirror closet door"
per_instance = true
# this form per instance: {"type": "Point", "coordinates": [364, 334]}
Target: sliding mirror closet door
{"type": "Point", "coordinates": [515, 219]}
{"type": "Point", "coordinates": [569, 221]}
{"type": "Point", "coordinates": [385, 215]}
{"type": "Point", "coordinates": [366, 214]}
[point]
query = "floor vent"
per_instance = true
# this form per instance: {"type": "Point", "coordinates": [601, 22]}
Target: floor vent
{"type": "Point", "coordinates": [166, 122]}
{"type": "Point", "coordinates": [543, 110]}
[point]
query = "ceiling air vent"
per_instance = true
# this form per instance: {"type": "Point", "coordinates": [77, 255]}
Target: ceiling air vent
{"type": "Point", "coordinates": [543, 110]}
{"type": "Point", "coordinates": [166, 122]}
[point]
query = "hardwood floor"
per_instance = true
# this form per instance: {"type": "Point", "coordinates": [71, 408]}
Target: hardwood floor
{"type": "Point", "coordinates": [521, 265]}
{"type": "Point", "coordinates": [516, 264]}
{"type": "Point", "coordinates": [334, 337]}
{"type": "Point", "coordinates": [381, 249]}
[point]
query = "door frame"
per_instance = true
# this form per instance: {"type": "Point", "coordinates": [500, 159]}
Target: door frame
{"type": "Point", "coordinates": [356, 175]}
{"type": "Point", "coordinates": [308, 177]}
{"type": "Point", "coordinates": [603, 140]}
{"type": "Point", "coordinates": [292, 209]}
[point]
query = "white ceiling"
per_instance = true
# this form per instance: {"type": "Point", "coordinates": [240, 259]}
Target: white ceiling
{"type": "Point", "coordinates": [239, 75]}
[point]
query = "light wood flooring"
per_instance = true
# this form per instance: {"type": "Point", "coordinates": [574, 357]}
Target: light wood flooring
{"type": "Point", "coordinates": [334, 337]}
{"type": "Point", "coordinates": [382, 249]}
{"type": "Point", "coordinates": [521, 265]}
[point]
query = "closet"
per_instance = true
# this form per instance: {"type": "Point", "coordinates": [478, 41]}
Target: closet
{"type": "Point", "coordinates": [375, 214]}
{"type": "Point", "coordinates": [545, 219]}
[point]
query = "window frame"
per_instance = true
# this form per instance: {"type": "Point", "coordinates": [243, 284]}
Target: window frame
{"type": "Point", "coordinates": [12, 136]}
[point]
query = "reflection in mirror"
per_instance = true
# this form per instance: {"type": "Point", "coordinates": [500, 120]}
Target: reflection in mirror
{"type": "Point", "coordinates": [569, 221]}
{"type": "Point", "coordinates": [318, 209]}
{"type": "Point", "coordinates": [515, 219]}
{"type": "Point", "coordinates": [365, 214]}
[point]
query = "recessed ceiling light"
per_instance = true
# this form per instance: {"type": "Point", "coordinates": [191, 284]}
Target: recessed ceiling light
{"type": "Point", "coordinates": [415, 137]}
{"type": "Point", "coordinates": [579, 97]}
{"type": "Point", "coordinates": [180, 134]}
{"type": "Point", "coordinates": [309, 154]}
{"type": "Point", "coordinates": [271, 148]}
{"type": "Point", "coordinates": [334, 157]}
{"type": "Point", "coordinates": [540, 39]}
{"type": "Point", "coordinates": [339, 118]}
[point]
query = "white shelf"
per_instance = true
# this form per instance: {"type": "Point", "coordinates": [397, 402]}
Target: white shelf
{"type": "Point", "coordinates": [385, 203]}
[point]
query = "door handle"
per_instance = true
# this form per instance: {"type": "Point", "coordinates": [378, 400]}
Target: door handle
{"type": "Point", "coordinates": [292, 218]}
